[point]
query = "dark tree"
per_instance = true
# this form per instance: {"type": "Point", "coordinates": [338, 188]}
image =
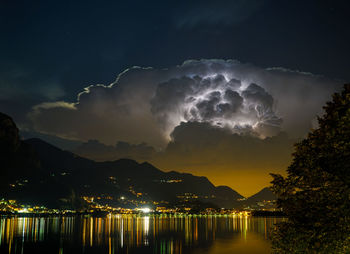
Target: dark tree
{"type": "Point", "coordinates": [315, 195]}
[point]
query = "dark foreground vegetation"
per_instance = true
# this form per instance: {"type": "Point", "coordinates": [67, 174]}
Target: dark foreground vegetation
{"type": "Point", "coordinates": [315, 194]}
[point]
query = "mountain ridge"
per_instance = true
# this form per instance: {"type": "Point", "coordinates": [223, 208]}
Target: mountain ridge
{"type": "Point", "coordinates": [164, 184]}
{"type": "Point", "coordinates": [63, 174]}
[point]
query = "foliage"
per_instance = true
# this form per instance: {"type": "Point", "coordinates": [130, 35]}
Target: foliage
{"type": "Point", "coordinates": [315, 195]}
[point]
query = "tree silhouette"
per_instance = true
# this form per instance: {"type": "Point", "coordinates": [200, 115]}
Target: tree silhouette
{"type": "Point", "coordinates": [315, 195]}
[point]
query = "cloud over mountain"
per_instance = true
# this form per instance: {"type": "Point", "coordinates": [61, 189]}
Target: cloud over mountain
{"type": "Point", "coordinates": [239, 160]}
{"type": "Point", "coordinates": [93, 149]}
{"type": "Point", "coordinates": [146, 104]}
{"type": "Point", "coordinates": [220, 118]}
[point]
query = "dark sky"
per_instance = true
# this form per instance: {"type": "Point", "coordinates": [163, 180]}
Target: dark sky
{"type": "Point", "coordinates": [51, 50]}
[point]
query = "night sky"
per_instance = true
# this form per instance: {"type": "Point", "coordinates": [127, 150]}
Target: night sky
{"type": "Point", "coordinates": [231, 120]}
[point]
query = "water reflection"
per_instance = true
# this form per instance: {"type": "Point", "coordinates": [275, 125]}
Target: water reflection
{"type": "Point", "coordinates": [135, 234]}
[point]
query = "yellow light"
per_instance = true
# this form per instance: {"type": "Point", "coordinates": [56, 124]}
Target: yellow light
{"type": "Point", "coordinates": [145, 210]}
{"type": "Point", "coordinates": [24, 210]}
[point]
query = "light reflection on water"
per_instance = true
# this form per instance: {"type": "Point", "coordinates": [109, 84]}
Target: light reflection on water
{"type": "Point", "coordinates": [136, 234]}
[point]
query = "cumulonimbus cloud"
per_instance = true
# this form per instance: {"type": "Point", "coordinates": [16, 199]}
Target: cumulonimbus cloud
{"type": "Point", "coordinates": [218, 100]}
{"type": "Point", "coordinates": [146, 104]}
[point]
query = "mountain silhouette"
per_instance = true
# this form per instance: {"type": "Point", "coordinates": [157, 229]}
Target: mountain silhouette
{"type": "Point", "coordinates": [33, 171]}
{"type": "Point", "coordinates": [265, 194]}
{"type": "Point", "coordinates": [127, 177]}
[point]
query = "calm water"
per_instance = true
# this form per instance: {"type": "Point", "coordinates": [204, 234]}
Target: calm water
{"type": "Point", "coordinates": [136, 234]}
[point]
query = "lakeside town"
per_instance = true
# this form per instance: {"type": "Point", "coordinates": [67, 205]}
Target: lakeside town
{"type": "Point", "coordinates": [98, 207]}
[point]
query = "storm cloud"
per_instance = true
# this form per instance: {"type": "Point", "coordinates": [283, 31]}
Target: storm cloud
{"type": "Point", "coordinates": [241, 161]}
{"type": "Point", "coordinates": [216, 100]}
{"type": "Point", "coordinates": [146, 104]}
{"type": "Point", "coordinates": [229, 121]}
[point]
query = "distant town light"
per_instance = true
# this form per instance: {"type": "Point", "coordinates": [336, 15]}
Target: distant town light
{"type": "Point", "coordinates": [24, 210]}
{"type": "Point", "coordinates": [145, 210]}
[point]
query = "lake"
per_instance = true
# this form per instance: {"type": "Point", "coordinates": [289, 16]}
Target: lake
{"type": "Point", "coordinates": [195, 234]}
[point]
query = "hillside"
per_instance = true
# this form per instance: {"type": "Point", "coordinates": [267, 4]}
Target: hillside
{"type": "Point", "coordinates": [127, 177]}
{"type": "Point", "coordinates": [265, 194]}
{"type": "Point", "coordinates": [36, 171]}
{"type": "Point", "coordinates": [264, 199]}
